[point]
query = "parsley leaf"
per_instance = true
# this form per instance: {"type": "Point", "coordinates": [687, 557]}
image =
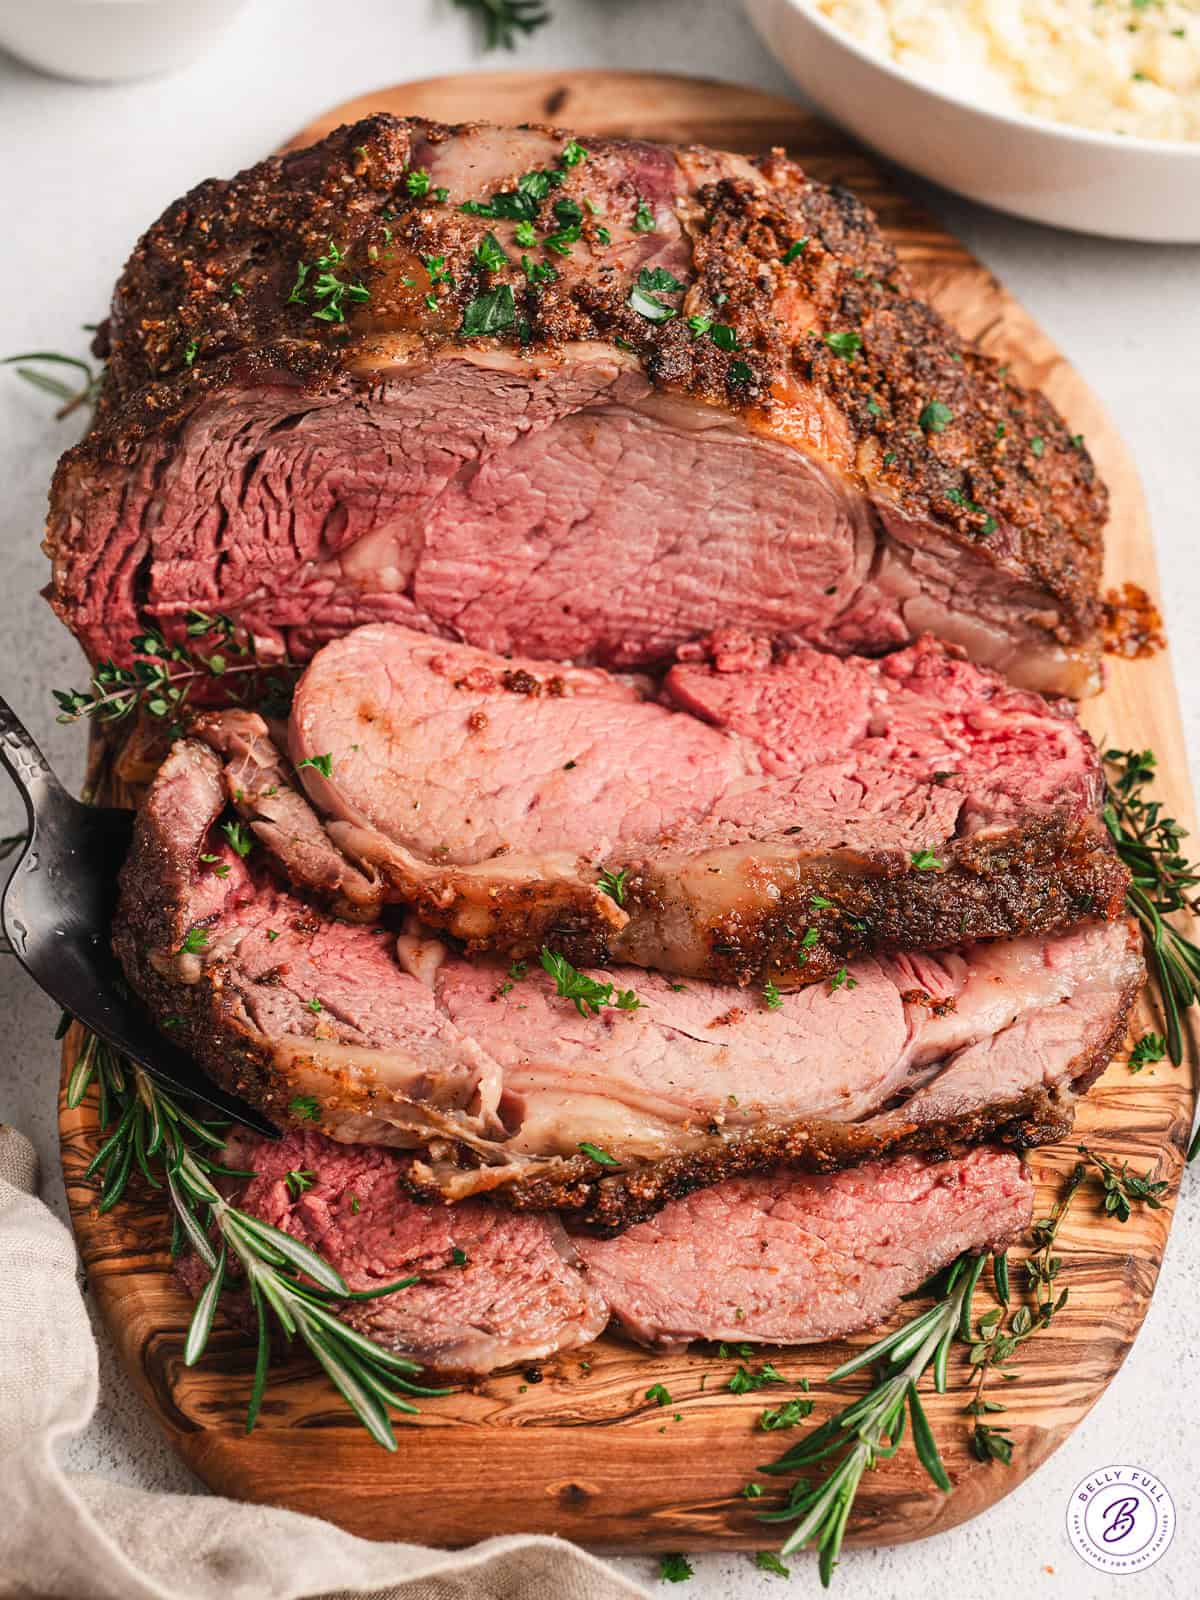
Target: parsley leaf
{"type": "Point", "coordinates": [925, 860]}
{"type": "Point", "coordinates": [643, 220]}
{"type": "Point", "coordinates": [417, 182]}
{"type": "Point", "coordinates": [489, 255]}
{"type": "Point", "coordinates": [196, 940]}
{"type": "Point", "coordinates": [796, 248]}
{"type": "Point", "coordinates": [772, 996]}
{"type": "Point", "coordinates": [601, 1157]}
{"type": "Point", "coordinates": [658, 278]}
{"type": "Point", "coordinates": [745, 1382]}
{"type": "Point", "coordinates": [768, 1561]}
{"type": "Point", "coordinates": [613, 884]}
{"type": "Point", "coordinates": [298, 1182]}
{"type": "Point", "coordinates": [650, 306]}
{"type": "Point", "coordinates": [659, 1394]}
{"type": "Point", "coordinates": [490, 313]}
{"type": "Point", "coordinates": [675, 1569]}
{"type": "Point", "coordinates": [843, 344]}
{"type": "Point", "coordinates": [239, 837]}
{"type": "Point", "coordinates": [1149, 1048]}
{"type": "Point", "coordinates": [305, 1106]}
{"type": "Point", "coordinates": [323, 764]}
{"type": "Point", "coordinates": [935, 417]}
{"type": "Point", "coordinates": [572, 154]}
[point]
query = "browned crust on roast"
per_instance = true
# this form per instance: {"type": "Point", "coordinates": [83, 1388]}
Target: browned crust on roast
{"type": "Point", "coordinates": [176, 298]}
{"type": "Point", "coordinates": [1046, 875]}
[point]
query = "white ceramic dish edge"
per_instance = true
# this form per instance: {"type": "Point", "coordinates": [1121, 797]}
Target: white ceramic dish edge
{"type": "Point", "coordinates": [1141, 189]}
{"type": "Point", "coordinates": [108, 41]}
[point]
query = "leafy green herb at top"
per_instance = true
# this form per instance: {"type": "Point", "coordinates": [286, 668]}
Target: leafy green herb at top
{"type": "Point", "coordinates": [489, 255]}
{"type": "Point", "coordinates": [613, 884]}
{"type": "Point", "coordinates": [643, 219]}
{"type": "Point", "coordinates": [588, 996]}
{"type": "Point", "coordinates": [522, 203]}
{"type": "Point", "coordinates": [595, 1153]}
{"type": "Point", "coordinates": [675, 1569]}
{"type": "Point", "coordinates": [1164, 881]}
{"type": "Point", "coordinates": [319, 287]}
{"type": "Point", "coordinates": [935, 417]}
{"type": "Point", "coordinates": [503, 20]}
{"type": "Point", "coordinates": [147, 1128]}
{"type": "Point", "coordinates": [322, 764]}
{"type": "Point", "coordinates": [29, 367]}
{"type": "Point", "coordinates": [843, 344]}
{"type": "Point", "coordinates": [489, 313]}
{"type": "Point", "coordinates": [925, 860]}
{"type": "Point", "coordinates": [771, 996]}
{"type": "Point", "coordinates": [1149, 1048]}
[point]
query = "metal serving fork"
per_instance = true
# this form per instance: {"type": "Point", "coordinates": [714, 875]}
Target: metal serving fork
{"type": "Point", "coordinates": [57, 911]}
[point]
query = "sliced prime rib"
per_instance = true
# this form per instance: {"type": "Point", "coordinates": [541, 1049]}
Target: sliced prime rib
{"type": "Point", "coordinates": [778, 1259]}
{"type": "Point", "coordinates": [766, 818]}
{"type": "Point", "coordinates": [345, 386]}
{"type": "Point", "coordinates": [494, 1081]}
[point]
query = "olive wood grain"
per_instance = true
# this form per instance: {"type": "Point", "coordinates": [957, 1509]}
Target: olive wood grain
{"type": "Point", "coordinates": [577, 1449]}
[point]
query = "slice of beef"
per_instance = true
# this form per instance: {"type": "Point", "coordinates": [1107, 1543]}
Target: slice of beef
{"type": "Point", "coordinates": [497, 1289]}
{"type": "Point", "coordinates": [706, 396]}
{"type": "Point", "coordinates": [495, 1082]}
{"type": "Point", "coordinates": [787, 1260]}
{"type": "Point", "coordinates": [778, 1259]}
{"type": "Point", "coordinates": [769, 820]}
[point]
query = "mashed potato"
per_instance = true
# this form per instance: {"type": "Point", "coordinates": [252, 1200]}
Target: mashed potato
{"type": "Point", "coordinates": [1122, 66]}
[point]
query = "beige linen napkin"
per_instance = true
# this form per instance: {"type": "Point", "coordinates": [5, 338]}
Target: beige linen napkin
{"type": "Point", "coordinates": [72, 1536]}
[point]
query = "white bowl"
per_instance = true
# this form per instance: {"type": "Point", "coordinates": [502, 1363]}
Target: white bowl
{"type": "Point", "coordinates": [109, 40]}
{"type": "Point", "coordinates": [1146, 189]}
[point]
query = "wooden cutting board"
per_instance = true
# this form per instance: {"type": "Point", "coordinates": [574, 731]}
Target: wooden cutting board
{"type": "Point", "coordinates": [577, 1449]}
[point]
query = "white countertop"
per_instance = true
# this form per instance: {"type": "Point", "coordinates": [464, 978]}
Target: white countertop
{"type": "Point", "coordinates": [86, 168]}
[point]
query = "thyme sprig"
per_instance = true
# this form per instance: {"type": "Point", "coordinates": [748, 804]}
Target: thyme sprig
{"type": "Point", "coordinates": [1164, 881]}
{"type": "Point", "coordinates": [288, 1284]}
{"type": "Point", "coordinates": [502, 20]}
{"type": "Point", "coordinates": [164, 675]}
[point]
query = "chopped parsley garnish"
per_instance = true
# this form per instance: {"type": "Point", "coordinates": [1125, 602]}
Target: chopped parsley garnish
{"type": "Point", "coordinates": [772, 996]}
{"type": "Point", "coordinates": [655, 278]}
{"type": "Point", "coordinates": [840, 980]}
{"type": "Point", "coordinates": [723, 336]}
{"type": "Point", "coordinates": [601, 1157]}
{"type": "Point", "coordinates": [613, 884]}
{"type": "Point", "coordinates": [751, 1491]}
{"type": "Point", "coordinates": [490, 313]}
{"type": "Point", "coordinates": [658, 1394]}
{"type": "Point", "coordinates": [588, 996]}
{"type": "Point", "coordinates": [355, 1205]}
{"type": "Point", "coordinates": [675, 1569]}
{"type": "Point", "coordinates": [437, 269]}
{"type": "Point", "coordinates": [489, 255]}
{"type": "Point", "coordinates": [819, 903]}
{"type": "Point", "coordinates": [562, 241]}
{"type": "Point", "coordinates": [298, 1182]}
{"type": "Point", "coordinates": [459, 1257]}
{"type": "Point", "coordinates": [305, 1106]}
{"type": "Point", "coordinates": [1150, 1047]}
{"type": "Point", "coordinates": [196, 940]}
{"type": "Point", "coordinates": [935, 417]}
{"type": "Point", "coordinates": [843, 344]}
{"type": "Point", "coordinates": [190, 354]}
{"type": "Point", "coordinates": [239, 836]}
{"type": "Point", "coordinates": [572, 154]}
{"type": "Point", "coordinates": [323, 764]}
{"type": "Point", "coordinates": [796, 248]}
{"type": "Point", "coordinates": [768, 1561]}
{"type": "Point", "coordinates": [1037, 444]}
{"type": "Point", "coordinates": [740, 372]}
{"type": "Point", "coordinates": [785, 1416]}
{"type": "Point", "coordinates": [272, 935]}
{"type": "Point", "coordinates": [604, 236]}
{"type": "Point", "coordinates": [330, 292]}
{"type": "Point", "coordinates": [417, 182]}
{"type": "Point", "coordinates": [524, 235]}
{"type": "Point", "coordinates": [568, 211]}
{"type": "Point", "coordinates": [699, 325]}
{"type": "Point", "coordinates": [221, 868]}
{"type": "Point", "coordinates": [314, 1004]}
{"type": "Point", "coordinates": [538, 271]}
{"type": "Point", "coordinates": [1001, 430]}
{"type": "Point", "coordinates": [643, 219]}
{"type": "Point", "coordinates": [925, 860]}
{"type": "Point", "coordinates": [745, 1382]}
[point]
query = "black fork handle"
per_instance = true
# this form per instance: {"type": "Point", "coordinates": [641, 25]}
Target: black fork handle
{"type": "Point", "coordinates": [25, 763]}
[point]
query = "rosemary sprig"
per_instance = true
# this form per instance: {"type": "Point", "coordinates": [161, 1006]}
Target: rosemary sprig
{"type": "Point", "coordinates": [163, 676]}
{"type": "Point", "coordinates": [502, 20]}
{"type": "Point", "coordinates": [871, 1429]}
{"type": "Point", "coordinates": [71, 396]}
{"type": "Point", "coordinates": [1164, 881]}
{"type": "Point", "coordinates": [151, 1131]}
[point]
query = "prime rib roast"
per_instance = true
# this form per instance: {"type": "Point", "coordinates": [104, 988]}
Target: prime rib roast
{"type": "Point", "coordinates": [679, 861]}
{"type": "Point", "coordinates": [495, 1081]}
{"type": "Point", "coordinates": [349, 386]}
{"type": "Point", "coordinates": [780, 1259]}
{"type": "Point", "coordinates": [764, 817]}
